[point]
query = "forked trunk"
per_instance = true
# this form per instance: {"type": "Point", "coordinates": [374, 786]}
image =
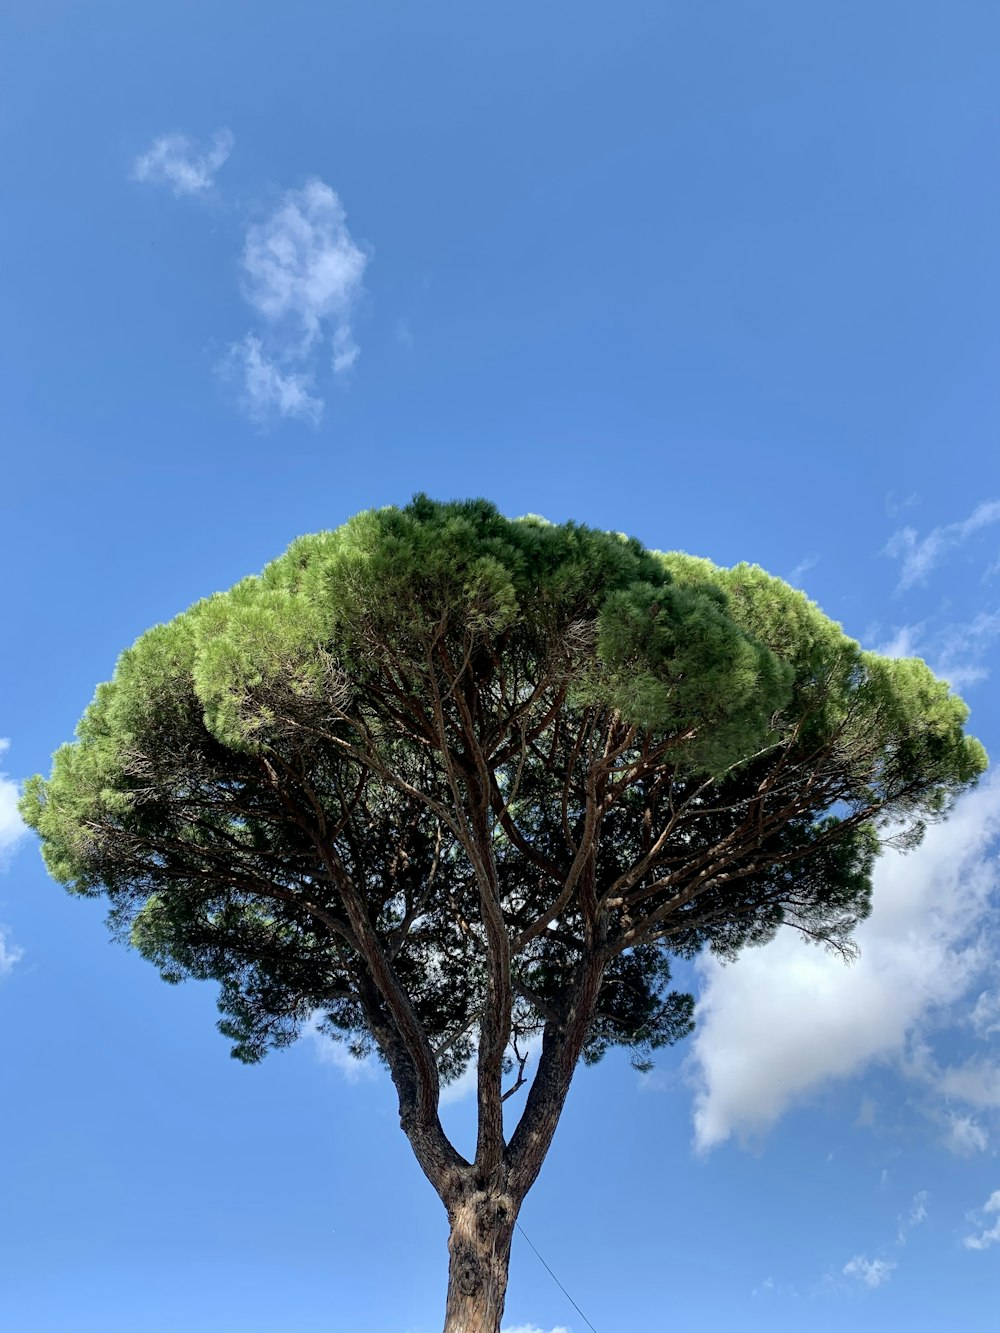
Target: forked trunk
{"type": "Point", "coordinates": [482, 1226]}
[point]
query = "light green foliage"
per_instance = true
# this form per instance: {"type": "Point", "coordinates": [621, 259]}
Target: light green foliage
{"type": "Point", "coordinates": [329, 718]}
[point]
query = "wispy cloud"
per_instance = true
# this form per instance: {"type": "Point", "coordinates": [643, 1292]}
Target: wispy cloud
{"type": "Point", "coordinates": [871, 1272]}
{"type": "Point", "coordinates": [960, 656]}
{"type": "Point", "coordinates": [402, 332]}
{"type": "Point", "coordinates": [265, 389]}
{"type": "Point", "coordinates": [904, 641]}
{"type": "Point", "coordinates": [10, 954]}
{"type": "Point", "coordinates": [990, 1235]}
{"type": "Point", "coordinates": [787, 1018]}
{"type": "Point", "coordinates": [303, 276]}
{"type": "Point", "coordinates": [802, 568]}
{"type": "Point", "coordinates": [329, 1051]}
{"type": "Point", "coordinates": [465, 1085]}
{"type": "Point", "coordinates": [957, 652]}
{"type": "Point", "coordinates": [915, 1217]}
{"type": "Point", "coordinates": [985, 1016]}
{"type": "Point", "coordinates": [12, 829]}
{"type": "Point", "coordinates": [175, 161]}
{"type": "Point", "coordinates": [975, 1081]}
{"type": "Point", "coordinates": [965, 1136]}
{"type": "Point", "coordinates": [896, 504]}
{"type": "Point", "coordinates": [919, 555]}
{"type": "Point", "coordinates": [532, 1328]}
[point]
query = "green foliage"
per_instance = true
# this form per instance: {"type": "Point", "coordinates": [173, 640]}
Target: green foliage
{"type": "Point", "coordinates": [728, 759]}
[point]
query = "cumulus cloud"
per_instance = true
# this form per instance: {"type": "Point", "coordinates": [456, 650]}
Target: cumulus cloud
{"type": "Point", "coordinates": [12, 829]}
{"type": "Point", "coordinates": [919, 555]}
{"type": "Point", "coordinates": [871, 1272]}
{"type": "Point", "coordinates": [303, 277]}
{"type": "Point", "coordinates": [302, 267]}
{"type": "Point", "coordinates": [991, 1235]}
{"type": "Point", "coordinates": [787, 1018]}
{"type": "Point", "coordinates": [173, 160]}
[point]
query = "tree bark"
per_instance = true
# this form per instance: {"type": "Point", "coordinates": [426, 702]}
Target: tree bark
{"type": "Point", "coordinates": [482, 1227]}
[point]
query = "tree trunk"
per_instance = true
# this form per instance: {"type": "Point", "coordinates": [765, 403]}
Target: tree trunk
{"type": "Point", "coordinates": [482, 1226]}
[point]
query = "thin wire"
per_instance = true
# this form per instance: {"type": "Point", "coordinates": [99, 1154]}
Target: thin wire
{"type": "Point", "coordinates": [556, 1280]}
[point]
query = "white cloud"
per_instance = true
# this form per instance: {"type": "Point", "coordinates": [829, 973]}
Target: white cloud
{"type": "Point", "coordinates": [904, 642]}
{"type": "Point", "coordinates": [916, 1215]}
{"type": "Point", "coordinates": [965, 1136]}
{"type": "Point", "coordinates": [918, 556]}
{"type": "Point", "coordinates": [954, 651]}
{"type": "Point", "coordinates": [303, 275]}
{"type": "Point", "coordinates": [10, 954]}
{"type": "Point", "coordinates": [532, 1328]}
{"type": "Point", "coordinates": [329, 1051]}
{"type": "Point", "coordinates": [302, 267]}
{"type": "Point", "coordinates": [175, 161]}
{"type": "Point", "coordinates": [345, 350]}
{"type": "Point", "coordinates": [463, 1086]}
{"type": "Point", "coordinates": [12, 829]}
{"type": "Point", "coordinates": [787, 1018]}
{"type": "Point", "coordinates": [976, 1082]}
{"type": "Point", "coordinates": [991, 1235]}
{"type": "Point", "coordinates": [895, 505]}
{"type": "Point", "coordinates": [265, 389]}
{"type": "Point", "coordinates": [961, 648]}
{"type": "Point", "coordinates": [872, 1272]}
{"type": "Point", "coordinates": [468, 1081]}
{"type": "Point", "coordinates": [803, 567]}
{"type": "Point", "coordinates": [402, 332]}
{"type": "Point", "coordinates": [985, 1016]}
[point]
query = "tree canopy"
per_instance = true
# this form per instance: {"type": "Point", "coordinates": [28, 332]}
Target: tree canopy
{"type": "Point", "coordinates": [451, 780]}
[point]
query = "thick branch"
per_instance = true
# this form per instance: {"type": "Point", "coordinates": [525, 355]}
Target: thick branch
{"type": "Point", "coordinates": [562, 1044]}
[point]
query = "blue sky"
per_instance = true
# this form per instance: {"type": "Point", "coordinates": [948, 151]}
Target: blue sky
{"type": "Point", "coordinates": [723, 275]}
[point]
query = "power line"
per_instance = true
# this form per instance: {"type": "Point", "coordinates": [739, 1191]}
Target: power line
{"type": "Point", "coordinates": [556, 1280]}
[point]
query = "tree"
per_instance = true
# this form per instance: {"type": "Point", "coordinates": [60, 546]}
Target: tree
{"type": "Point", "coordinates": [455, 782]}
